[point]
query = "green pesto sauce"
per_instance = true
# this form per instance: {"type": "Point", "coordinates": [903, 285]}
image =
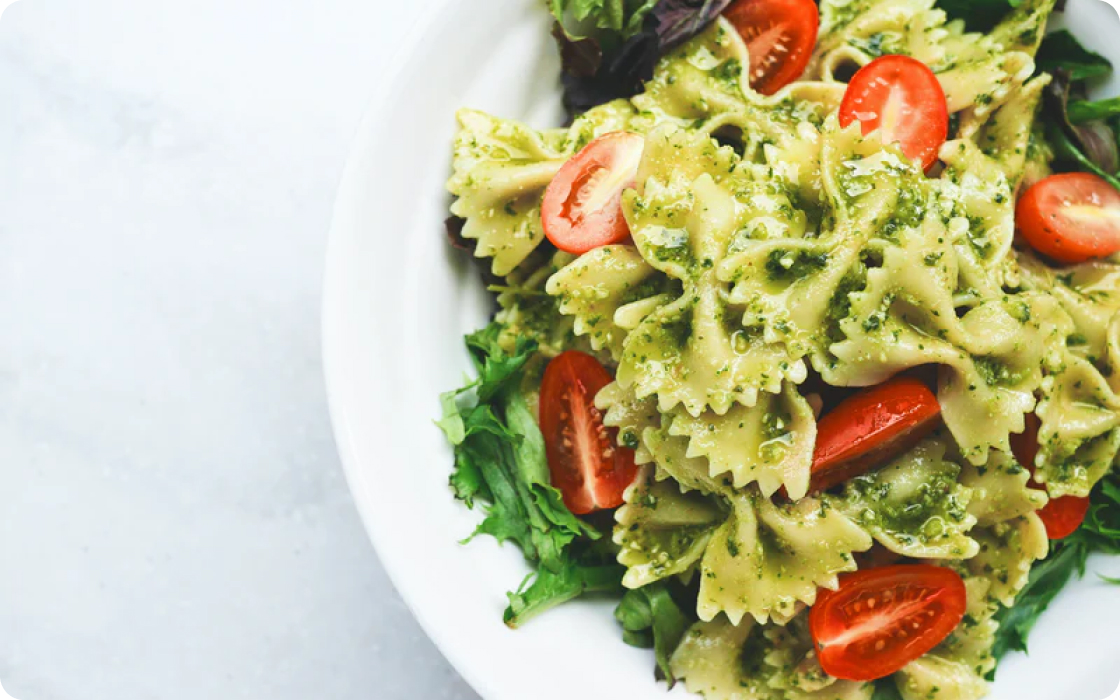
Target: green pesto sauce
{"type": "Point", "coordinates": [923, 514]}
{"type": "Point", "coordinates": [791, 265]}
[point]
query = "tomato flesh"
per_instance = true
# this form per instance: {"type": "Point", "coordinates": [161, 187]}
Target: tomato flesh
{"type": "Point", "coordinates": [902, 99]}
{"type": "Point", "coordinates": [582, 207]}
{"type": "Point", "coordinates": [584, 459]}
{"type": "Point", "coordinates": [879, 620]}
{"type": "Point", "coordinates": [780, 36]}
{"type": "Point", "coordinates": [1071, 217]}
{"type": "Point", "coordinates": [869, 428]}
{"type": "Point", "coordinates": [1061, 516]}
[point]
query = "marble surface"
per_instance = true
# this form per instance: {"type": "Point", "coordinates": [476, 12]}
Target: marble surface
{"type": "Point", "coordinates": [174, 522]}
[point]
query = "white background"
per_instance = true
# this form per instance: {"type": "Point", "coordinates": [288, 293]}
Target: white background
{"type": "Point", "coordinates": [173, 519]}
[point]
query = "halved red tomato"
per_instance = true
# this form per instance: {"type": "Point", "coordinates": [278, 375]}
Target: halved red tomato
{"type": "Point", "coordinates": [871, 427]}
{"type": "Point", "coordinates": [585, 461]}
{"type": "Point", "coordinates": [582, 207]}
{"type": "Point", "coordinates": [879, 620]}
{"type": "Point", "coordinates": [780, 36]}
{"type": "Point", "coordinates": [902, 98]}
{"type": "Point", "coordinates": [1061, 516]}
{"type": "Point", "coordinates": [1071, 217]}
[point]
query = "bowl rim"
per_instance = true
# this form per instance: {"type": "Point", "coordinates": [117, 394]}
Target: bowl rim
{"type": "Point", "coordinates": [371, 124]}
{"type": "Point", "coordinates": [370, 130]}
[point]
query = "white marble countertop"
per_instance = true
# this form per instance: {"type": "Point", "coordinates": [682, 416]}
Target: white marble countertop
{"type": "Point", "coordinates": [174, 522]}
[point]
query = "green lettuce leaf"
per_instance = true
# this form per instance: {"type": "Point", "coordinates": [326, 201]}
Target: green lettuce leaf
{"type": "Point", "coordinates": [651, 619]}
{"type": "Point", "coordinates": [546, 589]}
{"type": "Point", "coordinates": [500, 456]}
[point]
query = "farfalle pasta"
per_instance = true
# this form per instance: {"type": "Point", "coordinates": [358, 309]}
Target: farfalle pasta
{"type": "Point", "coordinates": [827, 350]}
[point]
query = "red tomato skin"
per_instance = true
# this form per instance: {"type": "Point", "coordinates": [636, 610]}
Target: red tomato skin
{"type": "Point", "coordinates": [1064, 516]}
{"type": "Point", "coordinates": [565, 224]}
{"type": "Point", "coordinates": [1061, 516]}
{"type": "Point", "coordinates": [764, 23]}
{"type": "Point", "coordinates": [587, 465]}
{"type": "Point", "coordinates": [926, 126]}
{"type": "Point", "coordinates": [942, 600]}
{"type": "Point", "coordinates": [1042, 217]}
{"type": "Point", "coordinates": [869, 428]}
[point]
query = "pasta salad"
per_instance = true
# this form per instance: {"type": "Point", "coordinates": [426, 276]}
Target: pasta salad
{"type": "Point", "coordinates": [806, 336]}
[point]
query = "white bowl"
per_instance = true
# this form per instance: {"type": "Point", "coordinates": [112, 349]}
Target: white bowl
{"type": "Point", "coordinates": [396, 305]}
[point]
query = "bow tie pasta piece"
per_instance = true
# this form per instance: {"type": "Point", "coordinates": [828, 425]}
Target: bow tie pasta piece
{"type": "Point", "coordinates": [796, 287]}
{"type": "Point", "coordinates": [721, 661]}
{"type": "Point", "coordinates": [987, 390]}
{"type": "Point", "coordinates": [770, 444]}
{"type": "Point", "coordinates": [767, 560]}
{"type": "Point", "coordinates": [991, 357]}
{"type": "Point", "coordinates": [1000, 490]}
{"type": "Point", "coordinates": [501, 169]}
{"type": "Point", "coordinates": [975, 70]}
{"type": "Point", "coordinates": [1004, 138]}
{"type": "Point", "coordinates": [1080, 433]}
{"type": "Point", "coordinates": [1080, 408]}
{"type": "Point", "coordinates": [608, 291]}
{"type": "Point", "coordinates": [691, 200]}
{"type": "Point", "coordinates": [858, 31]}
{"type": "Point", "coordinates": [915, 506]}
{"type": "Point", "coordinates": [1089, 293]}
{"type": "Point", "coordinates": [1007, 552]}
{"type": "Point", "coordinates": [702, 85]}
{"type": "Point", "coordinates": [977, 198]}
{"type": "Point", "coordinates": [662, 532]}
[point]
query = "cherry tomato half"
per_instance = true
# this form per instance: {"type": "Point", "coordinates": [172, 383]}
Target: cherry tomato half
{"type": "Point", "coordinates": [582, 207]}
{"type": "Point", "coordinates": [902, 98]}
{"type": "Point", "coordinates": [879, 620]}
{"type": "Point", "coordinates": [871, 427]}
{"type": "Point", "coordinates": [586, 464]}
{"type": "Point", "coordinates": [1071, 218]}
{"type": "Point", "coordinates": [1061, 516]}
{"type": "Point", "coordinates": [780, 36]}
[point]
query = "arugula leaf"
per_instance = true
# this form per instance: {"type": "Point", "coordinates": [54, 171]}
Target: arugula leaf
{"type": "Point", "coordinates": [1081, 111]}
{"type": "Point", "coordinates": [1047, 579]}
{"type": "Point", "coordinates": [650, 618]}
{"type": "Point", "coordinates": [1061, 50]}
{"type": "Point", "coordinates": [886, 689]}
{"type": "Point", "coordinates": [500, 456]}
